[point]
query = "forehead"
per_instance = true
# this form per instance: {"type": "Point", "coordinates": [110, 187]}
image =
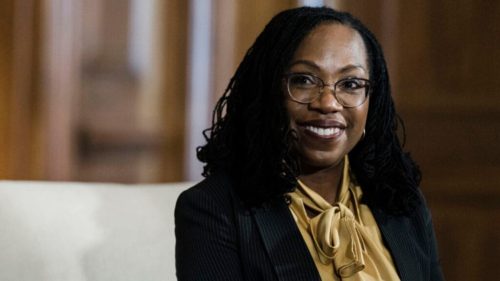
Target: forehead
{"type": "Point", "coordinates": [332, 46]}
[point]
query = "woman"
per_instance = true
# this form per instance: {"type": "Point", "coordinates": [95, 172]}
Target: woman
{"type": "Point", "coordinates": [305, 176]}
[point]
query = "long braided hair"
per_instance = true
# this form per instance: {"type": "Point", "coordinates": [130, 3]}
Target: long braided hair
{"type": "Point", "coordinates": [251, 141]}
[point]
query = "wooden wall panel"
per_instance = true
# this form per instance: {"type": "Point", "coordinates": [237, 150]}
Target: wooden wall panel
{"type": "Point", "coordinates": [236, 26]}
{"type": "Point", "coordinates": [132, 114]}
{"type": "Point", "coordinates": [175, 62]}
{"type": "Point", "coordinates": [6, 74]}
{"type": "Point", "coordinates": [59, 84]}
{"type": "Point", "coordinates": [225, 60]}
{"type": "Point", "coordinates": [451, 55]}
{"type": "Point", "coordinates": [20, 147]}
{"type": "Point", "coordinates": [252, 16]}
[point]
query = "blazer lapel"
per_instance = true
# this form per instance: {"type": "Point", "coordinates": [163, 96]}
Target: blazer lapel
{"type": "Point", "coordinates": [398, 235]}
{"type": "Point", "coordinates": [284, 244]}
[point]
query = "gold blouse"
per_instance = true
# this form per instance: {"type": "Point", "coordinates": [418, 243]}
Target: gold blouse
{"type": "Point", "coordinates": [344, 239]}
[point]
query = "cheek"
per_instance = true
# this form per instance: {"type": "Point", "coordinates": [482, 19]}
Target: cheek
{"type": "Point", "coordinates": [362, 114]}
{"type": "Point", "coordinates": [358, 122]}
{"type": "Point", "coordinates": [294, 111]}
{"type": "Point", "coordinates": [362, 118]}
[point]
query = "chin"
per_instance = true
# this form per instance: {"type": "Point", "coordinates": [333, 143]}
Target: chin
{"type": "Point", "coordinates": [318, 163]}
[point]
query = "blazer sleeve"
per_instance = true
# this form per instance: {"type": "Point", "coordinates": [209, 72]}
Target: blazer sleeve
{"type": "Point", "coordinates": [206, 237]}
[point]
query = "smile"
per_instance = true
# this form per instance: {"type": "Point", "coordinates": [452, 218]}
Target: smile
{"type": "Point", "coordinates": [324, 132]}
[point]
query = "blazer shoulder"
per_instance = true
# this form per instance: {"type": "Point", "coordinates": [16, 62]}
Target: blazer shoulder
{"type": "Point", "coordinates": [207, 246]}
{"type": "Point", "coordinates": [215, 189]}
{"type": "Point", "coordinates": [421, 215]}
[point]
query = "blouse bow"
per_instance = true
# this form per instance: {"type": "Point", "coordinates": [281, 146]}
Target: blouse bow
{"type": "Point", "coordinates": [328, 229]}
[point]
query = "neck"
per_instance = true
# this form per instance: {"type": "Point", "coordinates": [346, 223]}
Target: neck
{"type": "Point", "coordinates": [326, 182]}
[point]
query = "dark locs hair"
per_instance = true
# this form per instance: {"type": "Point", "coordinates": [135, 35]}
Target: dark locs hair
{"type": "Point", "coordinates": [251, 141]}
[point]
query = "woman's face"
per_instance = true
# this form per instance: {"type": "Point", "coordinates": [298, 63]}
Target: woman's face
{"type": "Point", "coordinates": [326, 130]}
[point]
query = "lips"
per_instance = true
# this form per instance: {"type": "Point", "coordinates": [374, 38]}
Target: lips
{"type": "Point", "coordinates": [324, 132]}
{"type": "Point", "coordinates": [325, 129]}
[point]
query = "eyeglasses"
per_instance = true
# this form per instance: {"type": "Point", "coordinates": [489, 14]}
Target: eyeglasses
{"type": "Point", "coordinates": [306, 88]}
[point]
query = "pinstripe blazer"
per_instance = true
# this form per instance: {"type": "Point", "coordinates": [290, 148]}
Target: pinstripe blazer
{"type": "Point", "coordinates": [218, 239]}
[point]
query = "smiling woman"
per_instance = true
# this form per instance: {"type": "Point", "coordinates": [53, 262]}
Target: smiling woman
{"type": "Point", "coordinates": [327, 127]}
{"type": "Point", "coordinates": [305, 175]}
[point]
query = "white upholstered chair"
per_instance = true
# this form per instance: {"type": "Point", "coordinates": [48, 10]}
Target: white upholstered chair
{"type": "Point", "coordinates": [61, 231]}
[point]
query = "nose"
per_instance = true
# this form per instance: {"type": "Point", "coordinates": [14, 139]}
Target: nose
{"type": "Point", "coordinates": [326, 102]}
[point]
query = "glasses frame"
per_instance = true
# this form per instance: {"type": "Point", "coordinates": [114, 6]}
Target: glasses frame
{"type": "Point", "coordinates": [322, 86]}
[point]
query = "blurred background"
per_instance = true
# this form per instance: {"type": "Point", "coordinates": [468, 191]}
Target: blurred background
{"type": "Point", "coordinates": [120, 91]}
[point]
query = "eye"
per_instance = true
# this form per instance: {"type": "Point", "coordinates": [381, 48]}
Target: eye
{"type": "Point", "coordinates": [352, 84]}
{"type": "Point", "coordinates": [298, 80]}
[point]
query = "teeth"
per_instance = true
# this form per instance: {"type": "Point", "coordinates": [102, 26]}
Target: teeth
{"type": "Point", "coordinates": [323, 131]}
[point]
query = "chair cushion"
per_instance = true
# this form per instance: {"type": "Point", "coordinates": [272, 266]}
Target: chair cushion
{"type": "Point", "coordinates": [87, 231]}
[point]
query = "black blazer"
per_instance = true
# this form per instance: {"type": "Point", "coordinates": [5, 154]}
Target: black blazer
{"type": "Point", "coordinates": [219, 239]}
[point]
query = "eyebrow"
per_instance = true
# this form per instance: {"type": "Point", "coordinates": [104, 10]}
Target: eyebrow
{"type": "Point", "coordinates": [315, 66]}
{"type": "Point", "coordinates": [306, 62]}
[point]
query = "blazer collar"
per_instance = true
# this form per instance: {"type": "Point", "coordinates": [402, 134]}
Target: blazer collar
{"type": "Point", "coordinates": [293, 262]}
{"type": "Point", "coordinates": [397, 233]}
{"type": "Point", "coordinates": [284, 244]}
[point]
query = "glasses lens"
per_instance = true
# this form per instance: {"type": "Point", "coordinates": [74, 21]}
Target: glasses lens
{"type": "Point", "coordinates": [351, 92]}
{"type": "Point", "coordinates": [303, 88]}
